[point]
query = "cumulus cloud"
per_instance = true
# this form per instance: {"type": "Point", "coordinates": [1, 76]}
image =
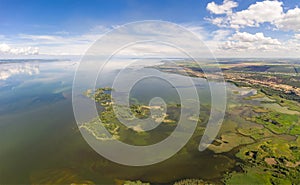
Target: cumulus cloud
{"type": "Point", "coordinates": [257, 37]}
{"type": "Point", "coordinates": [246, 41]}
{"type": "Point", "coordinates": [290, 20]}
{"type": "Point", "coordinates": [267, 11]}
{"type": "Point", "coordinates": [225, 8]}
{"type": "Point", "coordinates": [260, 12]}
{"type": "Point", "coordinates": [8, 70]}
{"type": "Point", "coordinates": [253, 16]}
{"type": "Point", "coordinates": [6, 49]}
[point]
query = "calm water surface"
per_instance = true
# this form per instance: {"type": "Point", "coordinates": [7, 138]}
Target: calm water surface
{"type": "Point", "coordinates": [40, 141]}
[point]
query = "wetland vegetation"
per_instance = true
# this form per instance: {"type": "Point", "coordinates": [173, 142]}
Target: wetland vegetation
{"type": "Point", "coordinates": [265, 136]}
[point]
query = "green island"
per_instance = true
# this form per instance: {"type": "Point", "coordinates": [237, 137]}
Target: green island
{"type": "Point", "coordinates": [134, 135]}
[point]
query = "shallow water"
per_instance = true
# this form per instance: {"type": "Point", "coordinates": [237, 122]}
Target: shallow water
{"type": "Point", "coordinates": [39, 135]}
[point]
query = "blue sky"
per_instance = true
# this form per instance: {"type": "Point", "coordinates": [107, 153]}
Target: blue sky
{"type": "Point", "coordinates": [78, 16]}
{"type": "Point", "coordinates": [229, 27]}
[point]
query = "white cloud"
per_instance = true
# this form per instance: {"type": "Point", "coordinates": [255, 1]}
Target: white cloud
{"type": "Point", "coordinates": [101, 29]}
{"type": "Point", "coordinates": [198, 30]}
{"type": "Point", "coordinates": [6, 49]}
{"type": "Point", "coordinates": [260, 12]}
{"type": "Point", "coordinates": [225, 8]}
{"type": "Point", "coordinates": [79, 44]}
{"type": "Point", "coordinates": [222, 42]}
{"type": "Point", "coordinates": [221, 35]}
{"type": "Point", "coordinates": [257, 37]}
{"type": "Point", "coordinates": [243, 44]}
{"type": "Point", "coordinates": [253, 16]}
{"type": "Point", "coordinates": [256, 14]}
{"type": "Point", "coordinates": [62, 43]}
{"type": "Point", "coordinates": [290, 20]}
{"type": "Point", "coordinates": [39, 37]}
{"type": "Point", "coordinates": [297, 36]}
{"type": "Point", "coordinates": [246, 44]}
{"type": "Point", "coordinates": [246, 41]}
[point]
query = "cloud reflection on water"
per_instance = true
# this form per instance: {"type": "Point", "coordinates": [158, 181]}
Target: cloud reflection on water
{"type": "Point", "coordinates": [9, 70]}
